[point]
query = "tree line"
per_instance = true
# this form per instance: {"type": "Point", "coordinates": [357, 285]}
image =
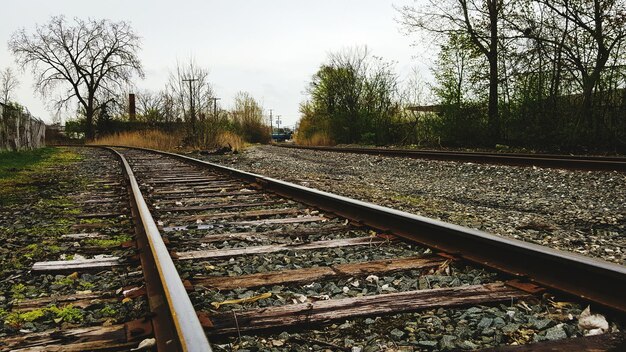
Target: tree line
{"type": "Point", "coordinates": [94, 62]}
{"type": "Point", "coordinates": [546, 74]}
{"type": "Point", "coordinates": [532, 73]}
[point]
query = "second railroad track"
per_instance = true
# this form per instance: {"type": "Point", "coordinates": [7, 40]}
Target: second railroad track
{"type": "Point", "coordinates": [559, 161]}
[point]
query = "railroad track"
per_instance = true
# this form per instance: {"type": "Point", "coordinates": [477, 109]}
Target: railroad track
{"type": "Point", "coordinates": [233, 257]}
{"type": "Point", "coordinates": [578, 162]}
{"type": "Point", "coordinates": [81, 223]}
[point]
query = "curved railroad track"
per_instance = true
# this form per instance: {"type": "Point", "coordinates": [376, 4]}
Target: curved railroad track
{"type": "Point", "coordinates": [233, 257]}
{"type": "Point", "coordinates": [579, 162]}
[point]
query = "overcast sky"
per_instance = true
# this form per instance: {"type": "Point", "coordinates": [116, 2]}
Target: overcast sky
{"type": "Point", "coordinates": [269, 48]}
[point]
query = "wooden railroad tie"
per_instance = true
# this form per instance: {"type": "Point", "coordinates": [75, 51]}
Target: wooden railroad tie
{"type": "Point", "coordinates": [233, 322]}
{"type": "Point", "coordinates": [308, 275]}
{"type": "Point", "coordinates": [225, 253]}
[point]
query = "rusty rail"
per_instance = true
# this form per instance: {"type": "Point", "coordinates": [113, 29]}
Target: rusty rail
{"type": "Point", "coordinates": [577, 162]}
{"type": "Point", "coordinates": [176, 325]}
{"type": "Point", "coordinates": [592, 279]}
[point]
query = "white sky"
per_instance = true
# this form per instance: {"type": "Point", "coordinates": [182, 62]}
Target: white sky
{"type": "Point", "coordinates": [269, 48]}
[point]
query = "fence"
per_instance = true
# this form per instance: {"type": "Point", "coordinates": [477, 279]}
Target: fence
{"type": "Point", "coordinates": [19, 130]}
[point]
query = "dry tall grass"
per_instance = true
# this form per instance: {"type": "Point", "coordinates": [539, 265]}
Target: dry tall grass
{"type": "Point", "coordinates": [318, 138]}
{"type": "Point", "coordinates": [232, 140]}
{"type": "Point", "coordinates": [168, 141]}
{"type": "Point", "coordinates": [145, 139]}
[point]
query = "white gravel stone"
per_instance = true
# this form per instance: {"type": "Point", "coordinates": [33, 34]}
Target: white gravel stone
{"type": "Point", "coordinates": [579, 211]}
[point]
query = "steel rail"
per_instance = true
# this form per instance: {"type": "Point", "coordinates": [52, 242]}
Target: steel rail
{"type": "Point", "coordinates": [175, 322]}
{"type": "Point", "coordinates": [542, 160]}
{"type": "Point", "coordinates": [592, 279]}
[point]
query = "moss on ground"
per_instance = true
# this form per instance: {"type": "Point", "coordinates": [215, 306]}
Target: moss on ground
{"type": "Point", "coordinates": [67, 313]}
{"type": "Point", "coordinates": [116, 241]}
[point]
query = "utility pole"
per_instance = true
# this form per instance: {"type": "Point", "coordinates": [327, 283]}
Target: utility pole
{"type": "Point", "coordinates": [278, 121]}
{"type": "Point", "coordinates": [192, 109]}
{"type": "Point", "coordinates": [215, 106]}
{"type": "Point", "coordinates": [132, 111]}
{"type": "Point", "coordinates": [271, 126]}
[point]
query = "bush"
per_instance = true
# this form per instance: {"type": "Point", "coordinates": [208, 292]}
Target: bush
{"type": "Point", "coordinates": [247, 119]}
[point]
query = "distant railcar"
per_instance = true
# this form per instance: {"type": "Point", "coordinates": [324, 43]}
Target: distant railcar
{"type": "Point", "coordinates": [281, 136]}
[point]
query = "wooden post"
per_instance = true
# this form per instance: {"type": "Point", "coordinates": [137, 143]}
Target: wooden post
{"type": "Point", "coordinates": [132, 113]}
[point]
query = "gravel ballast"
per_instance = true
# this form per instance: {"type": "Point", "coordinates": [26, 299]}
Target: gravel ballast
{"type": "Point", "coordinates": [39, 205]}
{"type": "Point", "coordinates": [511, 321]}
{"type": "Point", "coordinates": [578, 211]}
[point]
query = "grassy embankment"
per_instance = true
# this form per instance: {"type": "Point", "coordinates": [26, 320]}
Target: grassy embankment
{"type": "Point", "coordinates": [13, 162]}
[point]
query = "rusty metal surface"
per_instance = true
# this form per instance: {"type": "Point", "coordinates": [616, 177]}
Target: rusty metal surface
{"type": "Point", "coordinates": [541, 160]}
{"type": "Point", "coordinates": [175, 323]}
{"type": "Point", "coordinates": [591, 279]}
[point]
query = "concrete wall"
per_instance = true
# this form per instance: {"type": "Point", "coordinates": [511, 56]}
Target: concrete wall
{"type": "Point", "coordinates": [19, 130]}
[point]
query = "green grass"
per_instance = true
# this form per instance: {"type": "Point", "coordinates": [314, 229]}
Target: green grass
{"type": "Point", "coordinates": [14, 162]}
{"type": "Point", "coordinates": [19, 171]}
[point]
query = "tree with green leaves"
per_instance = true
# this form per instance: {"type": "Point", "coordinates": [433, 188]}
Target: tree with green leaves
{"type": "Point", "coordinates": [458, 72]}
{"type": "Point", "coordinates": [247, 119]}
{"type": "Point", "coordinates": [355, 95]}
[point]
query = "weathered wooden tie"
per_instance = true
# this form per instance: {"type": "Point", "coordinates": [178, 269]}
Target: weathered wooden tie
{"type": "Point", "coordinates": [222, 253]}
{"type": "Point", "coordinates": [279, 233]}
{"type": "Point", "coordinates": [213, 206]}
{"type": "Point", "coordinates": [93, 338]}
{"type": "Point", "coordinates": [84, 235]}
{"type": "Point", "coordinates": [81, 300]}
{"type": "Point", "coordinates": [242, 214]}
{"type": "Point", "coordinates": [196, 191]}
{"type": "Point", "coordinates": [191, 180]}
{"type": "Point", "coordinates": [309, 275]}
{"type": "Point", "coordinates": [202, 197]}
{"type": "Point", "coordinates": [318, 312]}
{"type": "Point", "coordinates": [101, 215]}
{"type": "Point", "coordinates": [77, 264]}
{"type": "Point", "coordinates": [295, 220]}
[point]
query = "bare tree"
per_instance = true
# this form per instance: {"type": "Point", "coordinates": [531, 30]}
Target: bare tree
{"type": "Point", "coordinates": [414, 89]}
{"type": "Point", "coordinates": [168, 106]}
{"type": "Point", "coordinates": [8, 84]}
{"type": "Point", "coordinates": [150, 106]}
{"type": "Point", "coordinates": [413, 93]}
{"type": "Point", "coordinates": [479, 20]}
{"type": "Point", "coordinates": [87, 60]}
{"type": "Point", "coordinates": [190, 86]}
{"type": "Point", "coordinates": [586, 34]}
